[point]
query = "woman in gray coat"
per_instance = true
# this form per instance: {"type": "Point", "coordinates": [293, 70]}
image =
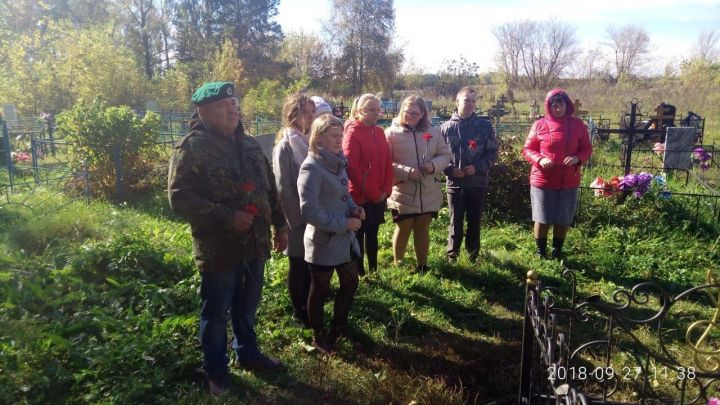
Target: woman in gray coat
{"type": "Point", "coordinates": [332, 218]}
{"type": "Point", "coordinates": [290, 151]}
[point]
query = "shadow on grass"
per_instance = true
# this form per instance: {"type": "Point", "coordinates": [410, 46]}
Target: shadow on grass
{"type": "Point", "coordinates": [483, 371]}
{"type": "Point", "coordinates": [289, 389]}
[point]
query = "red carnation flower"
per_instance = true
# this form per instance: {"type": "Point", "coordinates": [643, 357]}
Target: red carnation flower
{"type": "Point", "coordinates": [251, 209]}
{"type": "Point", "coordinates": [427, 136]}
{"type": "Point", "coordinates": [472, 144]}
{"type": "Point", "coordinates": [248, 187]}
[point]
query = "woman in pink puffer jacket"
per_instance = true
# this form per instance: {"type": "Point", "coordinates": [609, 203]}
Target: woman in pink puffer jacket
{"type": "Point", "coordinates": [557, 147]}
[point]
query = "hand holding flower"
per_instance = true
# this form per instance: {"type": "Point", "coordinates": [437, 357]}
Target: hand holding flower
{"type": "Point", "coordinates": [428, 168]}
{"type": "Point", "coordinates": [353, 224]}
{"type": "Point", "coordinates": [359, 213]}
{"type": "Point", "coordinates": [415, 175]}
{"type": "Point", "coordinates": [242, 221]}
{"type": "Point", "coordinates": [280, 241]}
{"type": "Point", "coordinates": [469, 170]}
{"type": "Point", "coordinates": [459, 173]}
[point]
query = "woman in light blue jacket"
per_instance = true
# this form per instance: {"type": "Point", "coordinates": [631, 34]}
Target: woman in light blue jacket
{"type": "Point", "coordinates": [332, 218]}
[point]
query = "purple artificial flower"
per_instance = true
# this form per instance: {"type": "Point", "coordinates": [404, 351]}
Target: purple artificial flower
{"type": "Point", "coordinates": [713, 401]}
{"type": "Point", "coordinates": [701, 155]}
{"type": "Point", "coordinates": [628, 182]}
{"type": "Point", "coordinates": [642, 184]}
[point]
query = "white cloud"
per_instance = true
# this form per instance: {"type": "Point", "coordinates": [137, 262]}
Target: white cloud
{"type": "Point", "coordinates": [430, 32]}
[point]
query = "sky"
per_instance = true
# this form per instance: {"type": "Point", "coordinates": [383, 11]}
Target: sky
{"type": "Point", "coordinates": [432, 32]}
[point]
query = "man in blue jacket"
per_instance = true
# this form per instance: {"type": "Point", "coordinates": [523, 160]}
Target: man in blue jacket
{"type": "Point", "coordinates": [474, 150]}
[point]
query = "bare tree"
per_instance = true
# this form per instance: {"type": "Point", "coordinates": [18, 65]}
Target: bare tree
{"type": "Point", "coordinates": [706, 46]}
{"type": "Point", "coordinates": [510, 40]}
{"type": "Point", "coordinates": [539, 50]}
{"type": "Point", "coordinates": [587, 65]}
{"type": "Point", "coordinates": [630, 44]}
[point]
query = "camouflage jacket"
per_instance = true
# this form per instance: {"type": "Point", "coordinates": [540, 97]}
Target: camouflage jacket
{"type": "Point", "coordinates": [210, 177]}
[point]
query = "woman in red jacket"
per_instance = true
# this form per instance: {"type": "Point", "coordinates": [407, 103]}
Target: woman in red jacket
{"type": "Point", "coordinates": [369, 169]}
{"type": "Point", "coordinates": [557, 146]}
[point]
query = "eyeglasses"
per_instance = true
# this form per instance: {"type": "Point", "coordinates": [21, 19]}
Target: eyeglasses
{"type": "Point", "coordinates": [412, 113]}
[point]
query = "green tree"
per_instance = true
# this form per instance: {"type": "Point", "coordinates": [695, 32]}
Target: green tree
{"type": "Point", "coordinates": [51, 70]}
{"type": "Point", "coordinates": [307, 56]}
{"type": "Point", "coordinates": [95, 63]}
{"type": "Point", "coordinates": [202, 26]}
{"type": "Point", "coordinates": [143, 31]}
{"type": "Point", "coordinates": [362, 39]}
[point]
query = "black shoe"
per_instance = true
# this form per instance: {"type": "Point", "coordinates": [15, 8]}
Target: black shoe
{"type": "Point", "coordinates": [421, 268]}
{"type": "Point", "coordinates": [302, 319]}
{"type": "Point", "coordinates": [557, 244]}
{"type": "Point", "coordinates": [452, 259]}
{"type": "Point", "coordinates": [541, 247]}
{"type": "Point", "coordinates": [261, 362]}
{"type": "Point", "coordinates": [218, 384]}
{"type": "Point", "coordinates": [320, 343]}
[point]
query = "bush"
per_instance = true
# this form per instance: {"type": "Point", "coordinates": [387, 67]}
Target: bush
{"type": "Point", "coordinates": [509, 195]}
{"type": "Point", "coordinates": [98, 136]}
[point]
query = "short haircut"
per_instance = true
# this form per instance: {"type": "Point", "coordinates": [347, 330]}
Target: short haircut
{"type": "Point", "coordinates": [360, 103]}
{"type": "Point", "coordinates": [320, 126]}
{"type": "Point", "coordinates": [417, 101]}
{"type": "Point", "coordinates": [465, 90]}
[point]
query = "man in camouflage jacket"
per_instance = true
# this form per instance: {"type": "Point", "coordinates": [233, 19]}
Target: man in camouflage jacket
{"type": "Point", "coordinates": [220, 182]}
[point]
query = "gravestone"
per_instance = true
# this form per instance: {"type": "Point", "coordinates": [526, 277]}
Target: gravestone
{"type": "Point", "coordinates": [678, 148]}
{"type": "Point", "coordinates": [9, 112]}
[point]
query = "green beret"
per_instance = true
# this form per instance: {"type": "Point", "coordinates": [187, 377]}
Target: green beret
{"type": "Point", "coordinates": [213, 91]}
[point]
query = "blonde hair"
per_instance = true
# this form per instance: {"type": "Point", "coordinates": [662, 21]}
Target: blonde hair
{"type": "Point", "coordinates": [418, 102]}
{"type": "Point", "coordinates": [294, 103]}
{"type": "Point", "coordinates": [360, 103]}
{"type": "Point", "coordinates": [320, 126]}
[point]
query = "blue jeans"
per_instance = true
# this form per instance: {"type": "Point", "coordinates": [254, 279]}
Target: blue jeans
{"type": "Point", "coordinates": [238, 290]}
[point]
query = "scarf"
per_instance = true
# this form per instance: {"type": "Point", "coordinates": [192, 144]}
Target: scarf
{"type": "Point", "coordinates": [299, 143]}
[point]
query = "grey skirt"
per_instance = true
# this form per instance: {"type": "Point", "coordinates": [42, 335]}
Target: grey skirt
{"type": "Point", "coordinates": [553, 207]}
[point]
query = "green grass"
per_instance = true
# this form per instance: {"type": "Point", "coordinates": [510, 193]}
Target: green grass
{"type": "Point", "coordinates": [99, 304]}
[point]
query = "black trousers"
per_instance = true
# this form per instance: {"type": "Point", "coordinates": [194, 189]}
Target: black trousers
{"type": "Point", "coordinates": [367, 235]}
{"type": "Point", "coordinates": [319, 288]}
{"type": "Point", "coordinates": [298, 283]}
{"type": "Point", "coordinates": [465, 203]}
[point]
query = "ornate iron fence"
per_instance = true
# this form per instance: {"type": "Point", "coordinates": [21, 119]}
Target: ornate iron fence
{"type": "Point", "coordinates": [643, 345]}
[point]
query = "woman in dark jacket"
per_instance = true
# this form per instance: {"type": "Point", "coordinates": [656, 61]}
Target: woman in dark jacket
{"type": "Point", "coordinates": [557, 146]}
